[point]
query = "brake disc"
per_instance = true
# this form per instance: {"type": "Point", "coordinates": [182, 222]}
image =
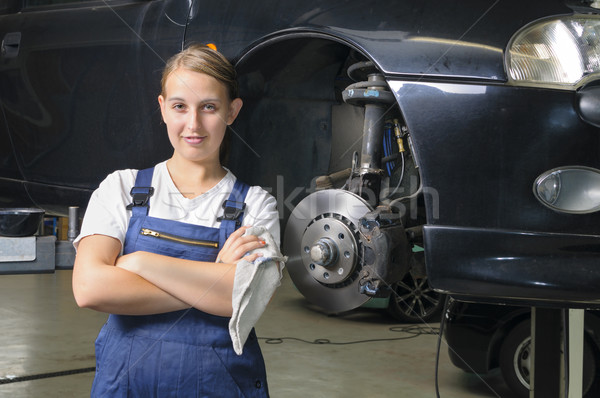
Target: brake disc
{"type": "Point", "coordinates": [323, 246]}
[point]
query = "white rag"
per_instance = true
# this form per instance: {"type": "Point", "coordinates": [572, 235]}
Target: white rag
{"type": "Point", "coordinates": [253, 286]}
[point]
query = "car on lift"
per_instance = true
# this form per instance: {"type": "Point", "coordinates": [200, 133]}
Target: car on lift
{"type": "Point", "coordinates": [482, 337]}
{"type": "Point", "coordinates": [467, 128]}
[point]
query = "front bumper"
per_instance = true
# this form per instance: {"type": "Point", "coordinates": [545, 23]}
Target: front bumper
{"type": "Point", "coordinates": [539, 268]}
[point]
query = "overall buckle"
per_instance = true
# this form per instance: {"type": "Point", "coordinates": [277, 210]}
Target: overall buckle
{"type": "Point", "coordinates": [140, 197]}
{"type": "Point", "coordinates": [232, 211]}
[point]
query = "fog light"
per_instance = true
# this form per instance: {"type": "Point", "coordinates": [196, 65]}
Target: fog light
{"type": "Point", "coordinates": [569, 189]}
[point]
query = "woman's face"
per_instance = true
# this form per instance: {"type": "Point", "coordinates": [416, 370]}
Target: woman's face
{"type": "Point", "coordinates": [196, 109]}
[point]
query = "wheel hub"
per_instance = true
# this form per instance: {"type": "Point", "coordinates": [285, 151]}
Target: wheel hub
{"type": "Point", "coordinates": [329, 250]}
{"type": "Point", "coordinates": [522, 361]}
{"type": "Point", "coordinates": [324, 252]}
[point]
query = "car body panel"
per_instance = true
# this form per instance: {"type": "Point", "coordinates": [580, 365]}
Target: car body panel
{"type": "Point", "coordinates": [511, 243]}
{"type": "Point", "coordinates": [401, 37]}
{"type": "Point", "coordinates": [74, 91]}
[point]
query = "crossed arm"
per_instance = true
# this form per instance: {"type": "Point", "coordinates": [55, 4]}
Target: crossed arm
{"type": "Point", "coordinates": [143, 283]}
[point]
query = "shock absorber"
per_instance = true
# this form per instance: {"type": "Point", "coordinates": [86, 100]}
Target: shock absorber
{"type": "Point", "coordinates": [374, 95]}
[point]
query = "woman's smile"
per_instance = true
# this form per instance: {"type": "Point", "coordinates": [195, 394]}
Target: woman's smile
{"type": "Point", "coordinates": [194, 140]}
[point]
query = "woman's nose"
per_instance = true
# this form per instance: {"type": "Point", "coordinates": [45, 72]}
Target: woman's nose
{"type": "Point", "coordinates": [194, 121]}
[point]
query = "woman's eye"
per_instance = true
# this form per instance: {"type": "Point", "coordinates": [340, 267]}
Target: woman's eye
{"type": "Point", "coordinates": [179, 107]}
{"type": "Point", "coordinates": [209, 107]}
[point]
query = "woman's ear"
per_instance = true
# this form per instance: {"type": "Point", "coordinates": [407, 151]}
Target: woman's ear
{"type": "Point", "coordinates": [161, 103]}
{"type": "Point", "coordinates": [234, 110]}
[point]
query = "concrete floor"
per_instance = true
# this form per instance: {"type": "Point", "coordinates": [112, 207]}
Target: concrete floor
{"type": "Point", "coordinates": [43, 333]}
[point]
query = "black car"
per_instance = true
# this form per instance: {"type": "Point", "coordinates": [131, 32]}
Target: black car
{"type": "Point", "coordinates": [482, 337]}
{"type": "Point", "coordinates": [469, 128]}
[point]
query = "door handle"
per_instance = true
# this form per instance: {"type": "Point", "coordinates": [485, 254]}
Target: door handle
{"type": "Point", "coordinates": [10, 45]}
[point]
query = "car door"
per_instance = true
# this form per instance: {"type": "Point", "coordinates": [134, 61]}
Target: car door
{"type": "Point", "coordinates": [78, 87]}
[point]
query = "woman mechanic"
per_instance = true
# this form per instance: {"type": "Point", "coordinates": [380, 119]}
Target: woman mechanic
{"type": "Point", "coordinates": [158, 252]}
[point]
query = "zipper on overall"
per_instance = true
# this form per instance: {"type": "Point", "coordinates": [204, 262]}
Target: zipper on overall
{"type": "Point", "coordinates": [174, 238]}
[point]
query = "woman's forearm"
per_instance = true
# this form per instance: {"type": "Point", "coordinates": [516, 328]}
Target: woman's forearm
{"type": "Point", "coordinates": [99, 285]}
{"type": "Point", "coordinates": [205, 286]}
{"type": "Point", "coordinates": [117, 291]}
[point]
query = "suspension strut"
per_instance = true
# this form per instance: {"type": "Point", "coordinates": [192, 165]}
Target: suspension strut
{"type": "Point", "coordinates": [374, 95]}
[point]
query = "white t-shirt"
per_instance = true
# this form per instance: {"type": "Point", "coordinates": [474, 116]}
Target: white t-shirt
{"type": "Point", "coordinates": [106, 213]}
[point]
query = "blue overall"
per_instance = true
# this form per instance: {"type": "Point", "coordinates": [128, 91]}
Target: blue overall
{"type": "Point", "coordinates": [184, 353]}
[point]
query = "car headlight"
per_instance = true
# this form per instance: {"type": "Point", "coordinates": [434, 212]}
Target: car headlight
{"type": "Point", "coordinates": [560, 52]}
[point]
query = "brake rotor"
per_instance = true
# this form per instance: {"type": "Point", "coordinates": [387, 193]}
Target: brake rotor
{"type": "Point", "coordinates": [323, 248]}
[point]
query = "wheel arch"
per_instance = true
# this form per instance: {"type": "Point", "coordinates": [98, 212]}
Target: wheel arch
{"type": "Point", "coordinates": [298, 33]}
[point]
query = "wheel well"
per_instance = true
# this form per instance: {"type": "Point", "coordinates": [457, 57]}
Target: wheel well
{"type": "Point", "coordinates": [291, 90]}
{"type": "Point", "coordinates": [305, 117]}
{"type": "Point", "coordinates": [294, 125]}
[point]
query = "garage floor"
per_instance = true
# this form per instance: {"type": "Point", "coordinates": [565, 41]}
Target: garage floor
{"type": "Point", "coordinates": [46, 348]}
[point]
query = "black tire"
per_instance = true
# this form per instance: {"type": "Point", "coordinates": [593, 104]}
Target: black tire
{"type": "Point", "coordinates": [515, 360]}
{"type": "Point", "coordinates": [413, 300]}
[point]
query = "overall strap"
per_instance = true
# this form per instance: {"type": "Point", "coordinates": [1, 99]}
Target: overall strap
{"type": "Point", "coordinates": [141, 192]}
{"type": "Point", "coordinates": [233, 211]}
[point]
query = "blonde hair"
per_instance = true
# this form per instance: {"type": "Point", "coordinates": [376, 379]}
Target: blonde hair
{"type": "Point", "coordinates": [203, 59]}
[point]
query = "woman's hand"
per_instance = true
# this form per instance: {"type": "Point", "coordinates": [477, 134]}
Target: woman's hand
{"type": "Point", "coordinates": [237, 246]}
